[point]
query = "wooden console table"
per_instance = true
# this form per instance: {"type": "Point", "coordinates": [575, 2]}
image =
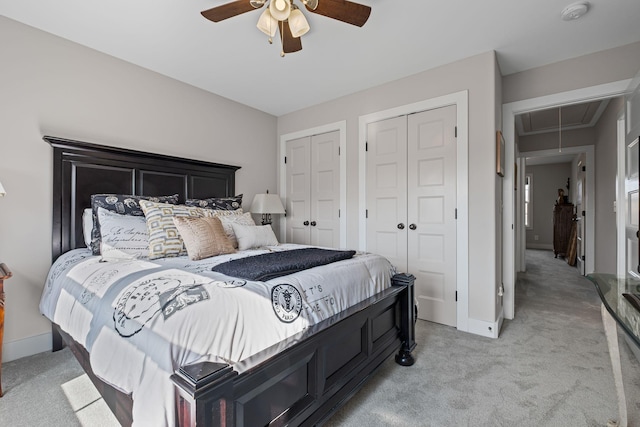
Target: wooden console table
{"type": "Point", "coordinates": [616, 308]}
{"type": "Point", "coordinates": [5, 273]}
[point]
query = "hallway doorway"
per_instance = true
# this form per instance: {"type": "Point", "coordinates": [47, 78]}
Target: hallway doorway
{"type": "Point", "coordinates": [513, 247]}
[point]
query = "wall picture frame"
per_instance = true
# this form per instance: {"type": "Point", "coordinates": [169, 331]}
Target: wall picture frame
{"type": "Point", "coordinates": [499, 153]}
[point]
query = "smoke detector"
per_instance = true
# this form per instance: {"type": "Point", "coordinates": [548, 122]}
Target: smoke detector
{"type": "Point", "coordinates": [574, 11]}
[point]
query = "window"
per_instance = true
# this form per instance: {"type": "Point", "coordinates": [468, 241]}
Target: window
{"type": "Point", "coordinates": [528, 205]}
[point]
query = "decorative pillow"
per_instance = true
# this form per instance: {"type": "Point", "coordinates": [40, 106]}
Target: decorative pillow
{"type": "Point", "coordinates": [228, 220]}
{"type": "Point", "coordinates": [87, 226]}
{"type": "Point", "coordinates": [164, 238]}
{"type": "Point", "coordinates": [217, 203]}
{"type": "Point", "coordinates": [123, 236]}
{"type": "Point", "coordinates": [254, 236]}
{"type": "Point", "coordinates": [203, 237]}
{"type": "Point", "coordinates": [124, 204]}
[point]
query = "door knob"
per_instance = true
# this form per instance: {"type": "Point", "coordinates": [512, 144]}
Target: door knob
{"type": "Point", "coordinates": [412, 227]}
{"type": "Point", "coordinates": [401, 226]}
{"type": "Point", "coordinates": [313, 223]}
{"type": "Point", "coordinates": [305, 223]}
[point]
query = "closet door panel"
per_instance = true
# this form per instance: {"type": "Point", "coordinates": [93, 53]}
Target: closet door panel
{"type": "Point", "coordinates": [325, 189]}
{"type": "Point", "coordinates": [386, 188]}
{"type": "Point", "coordinates": [298, 190]}
{"type": "Point", "coordinates": [431, 189]}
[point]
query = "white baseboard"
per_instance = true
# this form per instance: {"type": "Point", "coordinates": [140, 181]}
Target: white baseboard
{"type": "Point", "coordinates": [486, 329]}
{"type": "Point", "coordinates": [18, 349]}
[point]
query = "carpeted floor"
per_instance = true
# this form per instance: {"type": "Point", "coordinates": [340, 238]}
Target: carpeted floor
{"type": "Point", "coordinates": [549, 367]}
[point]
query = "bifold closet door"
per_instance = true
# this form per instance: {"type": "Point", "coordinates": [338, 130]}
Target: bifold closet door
{"type": "Point", "coordinates": [313, 190]}
{"type": "Point", "coordinates": [411, 204]}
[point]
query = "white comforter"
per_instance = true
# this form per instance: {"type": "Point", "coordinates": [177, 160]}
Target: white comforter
{"type": "Point", "coordinates": [141, 320]}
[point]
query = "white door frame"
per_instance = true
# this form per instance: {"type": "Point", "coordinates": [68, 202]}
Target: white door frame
{"type": "Point", "coordinates": [513, 249]}
{"type": "Point", "coordinates": [341, 127]}
{"type": "Point", "coordinates": [461, 101]}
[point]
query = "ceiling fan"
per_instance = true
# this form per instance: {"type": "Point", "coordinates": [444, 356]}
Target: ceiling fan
{"type": "Point", "coordinates": [286, 17]}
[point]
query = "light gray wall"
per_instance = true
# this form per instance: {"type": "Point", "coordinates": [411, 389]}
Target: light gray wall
{"type": "Point", "coordinates": [51, 86]}
{"type": "Point", "coordinates": [606, 66]}
{"type": "Point", "coordinates": [606, 163]}
{"type": "Point", "coordinates": [499, 202]}
{"type": "Point", "coordinates": [477, 75]}
{"type": "Point", "coordinates": [546, 181]}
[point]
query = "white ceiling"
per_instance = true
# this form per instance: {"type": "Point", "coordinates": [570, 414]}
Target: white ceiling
{"type": "Point", "coordinates": [233, 58]}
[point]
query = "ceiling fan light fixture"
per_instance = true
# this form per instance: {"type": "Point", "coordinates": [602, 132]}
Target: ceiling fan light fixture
{"type": "Point", "coordinates": [298, 23]}
{"type": "Point", "coordinates": [280, 9]}
{"type": "Point", "coordinates": [257, 3]}
{"type": "Point", "coordinates": [267, 23]}
{"type": "Point", "coordinates": [310, 4]}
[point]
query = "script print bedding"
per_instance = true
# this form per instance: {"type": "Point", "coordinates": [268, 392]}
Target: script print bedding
{"type": "Point", "coordinates": [140, 320]}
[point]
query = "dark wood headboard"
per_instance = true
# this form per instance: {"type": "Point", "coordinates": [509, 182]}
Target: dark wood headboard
{"type": "Point", "coordinates": [81, 169]}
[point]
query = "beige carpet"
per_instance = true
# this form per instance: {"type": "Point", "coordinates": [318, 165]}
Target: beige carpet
{"type": "Point", "coordinates": [549, 367]}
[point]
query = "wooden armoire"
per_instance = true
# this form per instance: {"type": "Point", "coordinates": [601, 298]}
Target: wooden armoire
{"type": "Point", "coordinates": [562, 224]}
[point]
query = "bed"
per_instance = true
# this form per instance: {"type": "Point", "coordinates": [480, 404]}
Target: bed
{"type": "Point", "coordinates": [300, 376]}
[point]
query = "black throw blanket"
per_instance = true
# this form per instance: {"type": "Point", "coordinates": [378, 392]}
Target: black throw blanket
{"type": "Point", "coordinates": [275, 264]}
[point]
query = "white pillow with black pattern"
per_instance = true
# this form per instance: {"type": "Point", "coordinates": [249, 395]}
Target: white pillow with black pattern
{"type": "Point", "coordinates": [123, 236]}
{"type": "Point", "coordinates": [125, 204]}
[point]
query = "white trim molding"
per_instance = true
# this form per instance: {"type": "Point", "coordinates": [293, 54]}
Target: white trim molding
{"type": "Point", "coordinates": [486, 329]}
{"type": "Point", "coordinates": [13, 350]}
{"type": "Point", "coordinates": [461, 101]}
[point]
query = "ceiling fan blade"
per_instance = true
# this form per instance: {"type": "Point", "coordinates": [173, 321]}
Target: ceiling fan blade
{"type": "Point", "coordinates": [290, 44]}
{"type": "Point", "coordinates": [343, 10]}
{"type": "Point", "coordinates": [228, 10]}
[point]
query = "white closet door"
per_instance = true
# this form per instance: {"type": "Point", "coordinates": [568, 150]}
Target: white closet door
{"type": "Point", "coordinates": [298, 190]}
{"type": "Point", "coordinates": [387, 190]}
{"type": "Point", "coordinates": [313, 190]}
{"type": "Point", "coordinates": [325, 190]}
{"type": "Point", "coordinates": [431, 190]}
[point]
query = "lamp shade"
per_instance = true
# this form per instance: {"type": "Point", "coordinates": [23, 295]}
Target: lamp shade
{"type": "Point", "coordinates": [280, 9]}
{"type": "Point", "coordinates": [267, 23]}
{"type": "Point", "coordinates": [298, 23]}
{"type": "Point", "coordinates": [2, 192]}
{"type": "Point", "coordinates": [267, 204]}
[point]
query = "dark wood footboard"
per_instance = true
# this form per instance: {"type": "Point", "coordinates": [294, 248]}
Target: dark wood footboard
{"type": "Point", "coordinates": [304, 380]}
{"type": "Point", "coordinates": [301, 381]}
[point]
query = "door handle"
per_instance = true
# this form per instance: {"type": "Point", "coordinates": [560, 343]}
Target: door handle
{"type": "Point", "coordinates": [305, 223]}
{"type": "Point", "coordinates": [401, 226]}
{"type": "Point", "coordinates": [412, 227]}
{"type": "Point", "coordinates": [313, 223]}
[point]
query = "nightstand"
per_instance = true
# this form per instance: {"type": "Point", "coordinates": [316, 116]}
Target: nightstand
{"type": "Point", "coordinates": [5, 273]}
